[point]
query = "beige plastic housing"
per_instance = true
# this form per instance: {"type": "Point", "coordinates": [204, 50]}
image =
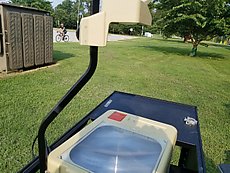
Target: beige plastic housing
{"type": "Point", "coordinates": [136, 124]}
{"type": "Point", "coordinates": [94, 29]}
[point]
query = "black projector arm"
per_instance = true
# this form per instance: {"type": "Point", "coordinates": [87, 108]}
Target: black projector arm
{"type": "Point", "coordinates": [66, 99]}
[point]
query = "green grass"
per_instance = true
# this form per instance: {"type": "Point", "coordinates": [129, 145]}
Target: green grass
{"type": "Point", "coordinates": [150, 67]}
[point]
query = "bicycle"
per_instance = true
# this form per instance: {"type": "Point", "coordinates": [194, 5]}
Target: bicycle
{"type": "Point", "coordinates": [60, 37]}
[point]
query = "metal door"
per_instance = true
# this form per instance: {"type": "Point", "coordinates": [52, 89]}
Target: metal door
{"type": "Point", "coordinates": [48, 39]}
{"type": "Point", "coordinates": [39, 40]}
{"type": "Point", "coordinates": [14, 40]}
{"type": "Point", "coordinates": [28, 39]}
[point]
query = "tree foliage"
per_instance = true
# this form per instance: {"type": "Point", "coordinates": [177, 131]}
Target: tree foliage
{"type": "Point", "coordinates": [70, 12]}
{"type": "Point", "coordinates": [64, 13]}
{"type": "Point", "coordinates": [39, 4]}
{"type": "Point", "coordinates": [200, 19]}
{"type": "Point", "coordinates": [125, 29]}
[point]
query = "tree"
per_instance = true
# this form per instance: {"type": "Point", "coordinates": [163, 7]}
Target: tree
{"type": "Point", "coordinates": [117, 28]}
{"type": "Point", "coordinates": [39, 4]}
{"type": "Point", "coordinates": [199, 19]}
{"type": "Point", "coordinates": [64, 13]}
{"type": "Point", "coordinates": [69, 12]}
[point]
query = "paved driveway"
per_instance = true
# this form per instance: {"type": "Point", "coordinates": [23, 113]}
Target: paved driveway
{"type": "Point", "coordinates": [111, 37]}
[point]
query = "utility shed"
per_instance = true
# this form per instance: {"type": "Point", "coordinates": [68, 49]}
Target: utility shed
{"type": "Point", "coordinates": [26, 37]}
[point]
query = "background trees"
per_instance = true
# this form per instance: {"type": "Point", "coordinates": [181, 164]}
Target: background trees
{"type": "Point", "coordinates": [70, 12]}
{"type": "Point", "coordinates": [40, 4]}
{"type": "Point", "coordinates": [197, 19]}
{"type": "Point", "coordinates": [64, 13]}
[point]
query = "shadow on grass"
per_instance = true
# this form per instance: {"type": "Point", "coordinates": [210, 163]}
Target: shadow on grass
{"type": "Point", "coordinates": [58, 55]}
{"type": "Point", "coordinates": [227, 156]}
{"type": "Point", "coordinates": [181, 41]}
{"type": "Point", "coordinates": [183, 51]}
{"type": "Point", "coordinates": [210, 165]}
{"type": "Point", "coordinates": [227, 106]}
{"type": "Point", "coordinates": [219, 45]}
{"type": "Point", "coordinates": [169, 40]}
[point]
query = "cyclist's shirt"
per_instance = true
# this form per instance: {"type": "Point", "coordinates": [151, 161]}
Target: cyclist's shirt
{"type": "Point", "coordinates": [64, 30]}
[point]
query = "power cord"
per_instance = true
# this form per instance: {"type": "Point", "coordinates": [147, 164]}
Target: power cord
{"type": "Point", "coordinates": [48, 150]}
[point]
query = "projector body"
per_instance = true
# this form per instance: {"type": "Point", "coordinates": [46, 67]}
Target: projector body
{"type": "Point", "coordinates": [116, 142]}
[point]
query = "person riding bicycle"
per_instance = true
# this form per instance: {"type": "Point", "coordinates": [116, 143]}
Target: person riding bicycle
{"type": "Point", "coordinates": [62, 30]}
{"type": "Point", "coordinates": [62, 34]}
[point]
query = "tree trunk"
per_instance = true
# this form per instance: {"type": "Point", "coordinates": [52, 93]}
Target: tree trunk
{"type": "Point", "coordinates": [194, 48]}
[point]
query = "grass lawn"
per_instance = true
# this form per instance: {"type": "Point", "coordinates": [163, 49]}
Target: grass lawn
{"type": "Point", "coordinates": [150, 67]}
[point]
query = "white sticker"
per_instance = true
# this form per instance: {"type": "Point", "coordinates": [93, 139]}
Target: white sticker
{"type": "Point", "coordinates": [108, 103]}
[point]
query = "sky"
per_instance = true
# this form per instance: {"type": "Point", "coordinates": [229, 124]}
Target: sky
{"type": "Point", "coordinates": [55, 2]}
